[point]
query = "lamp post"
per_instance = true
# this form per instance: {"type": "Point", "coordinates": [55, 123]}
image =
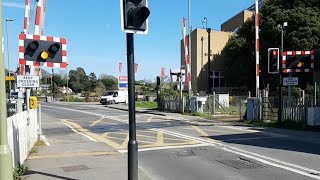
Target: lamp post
{"type": "Point", "coordinates": [205, 20]}
{"type": "Point", "coordinates": [281, 27]}
{"type": "Point", "coordinates": [5, 152]}
{"type": "Point", "coordinates": [8, 20]}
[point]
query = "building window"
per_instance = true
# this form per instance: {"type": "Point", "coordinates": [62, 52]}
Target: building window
{"type": "Point", "coordinates": [218, 79]}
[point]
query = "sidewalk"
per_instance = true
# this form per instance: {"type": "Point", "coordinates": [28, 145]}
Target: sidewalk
{"type": "Point", "coordinates": [71, 156]}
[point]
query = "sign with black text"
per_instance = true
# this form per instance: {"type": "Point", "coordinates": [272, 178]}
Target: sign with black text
{"type": "Point", "coordinates": [26, 81]}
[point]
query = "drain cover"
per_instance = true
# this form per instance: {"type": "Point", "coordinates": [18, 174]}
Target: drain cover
{"type": "Point", "coordinates": [75, 168]}
{"type": "Point", "coordinates": [241, 163]}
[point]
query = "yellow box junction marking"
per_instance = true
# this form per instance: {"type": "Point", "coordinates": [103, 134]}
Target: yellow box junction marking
{"type": "Point", "coordinates": [76, 154]}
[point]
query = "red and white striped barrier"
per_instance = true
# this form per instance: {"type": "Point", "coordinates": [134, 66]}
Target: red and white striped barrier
{"type": "Point", "coordinates": [293, 53]}
{"type": "Point", "coordinates": [22, 61]}
{"type": "Point", "coordinates": [257, 21]}
{"type": "Point", "coordinates": [187, 57]}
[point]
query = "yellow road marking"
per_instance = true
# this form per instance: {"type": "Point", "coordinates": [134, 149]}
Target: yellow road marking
{"type": "Point", "coordinates": [72, 155]}
{"type": "Point", "coordinates": [121, 133]}
{"type": "Point", "coordinates": [96, 122]}
{"type": "Point", "coordinates": [125, 143]}
{"type": "Point", "coordinates": [92, 135]}
{"type": "Point", "coordinates": [160, 138]}
{"type": "Point", "coordinates": [149, 119]}
{"type": "Point", "coordinates": [203, 133]}
{"type": "Point", "coordinates": [169, 144]}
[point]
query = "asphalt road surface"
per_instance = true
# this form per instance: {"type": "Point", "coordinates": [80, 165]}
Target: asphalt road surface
{"type": "Point", "coordinates": [172, 146]}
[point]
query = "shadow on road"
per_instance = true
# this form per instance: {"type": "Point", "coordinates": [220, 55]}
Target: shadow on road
{"type": "Point", "coordinates": [49, 175]}
{"type": "Point", "coordinates": [266, 141]}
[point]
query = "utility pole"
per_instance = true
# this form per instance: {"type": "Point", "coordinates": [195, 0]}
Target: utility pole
{"type": "Point", "coordinates": [209, 55]}
{"type": "Point", "coordinates": [5, 152]}
{"type": "Point", "coordinates": [280, 73]}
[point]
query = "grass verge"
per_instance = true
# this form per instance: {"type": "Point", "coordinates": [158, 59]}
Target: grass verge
{"type": "Point", "coordinates": [20, 171]}
{"type": "Point", "coordinates": [36, 146]}
{"type": "Point", "coordinates": [148, 105]}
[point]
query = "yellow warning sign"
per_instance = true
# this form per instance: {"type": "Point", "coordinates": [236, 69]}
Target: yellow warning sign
{"type": "Point", "coordinates": [10, 78]}
{"type": "Point", "coordinates": [33, 102]}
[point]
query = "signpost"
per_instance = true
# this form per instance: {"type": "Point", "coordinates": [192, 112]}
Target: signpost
{"type": "Point", "coordinates": [123, 83]}
{"type": "Point", "coordinates": [26, 81]}
{"type": "Point", "coordinates": [290, 81]}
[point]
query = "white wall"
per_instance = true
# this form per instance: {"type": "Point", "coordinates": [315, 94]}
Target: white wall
{"type": "Point", "coordinates": [22, 135]}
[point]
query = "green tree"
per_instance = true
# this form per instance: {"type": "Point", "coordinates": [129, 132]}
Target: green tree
{"type": "Point", "coordinates": [92, 81]}
{"type": "Point", "coordinates": [78, 80]}
{"type": "Point", "coordinates": [110, 82]}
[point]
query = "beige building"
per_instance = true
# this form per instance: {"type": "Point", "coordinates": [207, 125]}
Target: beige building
{"type": "Point", "coordinates": [199, 54]}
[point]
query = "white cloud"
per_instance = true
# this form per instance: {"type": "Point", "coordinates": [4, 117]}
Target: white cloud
{"type": "Point", "coordinates": [13, 5]}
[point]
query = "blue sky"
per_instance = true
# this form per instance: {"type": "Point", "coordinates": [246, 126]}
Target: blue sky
{"type": "Point", "coordinates": [96, 42]}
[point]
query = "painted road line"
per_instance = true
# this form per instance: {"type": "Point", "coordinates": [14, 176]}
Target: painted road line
{"type": "Point", "coordinates": [215, 144]}
{"type": "Point", "coordinates": [150, 118]}
{"type": "Point", "coordinates": [92, 135]}
{"type": "Point", "coordinates": [160, 140]}
{"type": "Point", "coordinates": [125, 143]}
{"type": "Point", "coordinates": [74, 130]}
{"type": "Point", "coordinates": [165, 147]}
{"type": "Point", "coordinates": [96, 122]}
{"type": "Point", "coordinates": [203, 133]}
{"type": "Point", "coordinates": [69, 155]}
{"type": "Point", "coordinates": [281, 164]}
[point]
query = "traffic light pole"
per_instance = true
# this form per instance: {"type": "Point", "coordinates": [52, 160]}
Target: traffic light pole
{"type": "Point", "coordinates": [132, 144]}
{"type": "Point", "coordinates": [280, 81]}
{"type": "Point", "coordinates": [5, 152]}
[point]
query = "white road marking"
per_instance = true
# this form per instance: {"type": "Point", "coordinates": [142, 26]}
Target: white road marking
{"type": "Point", "coordinates": [255, 156]}
{"type": "Point", "coordinates": [166, 147]}
{"type": "Point", "coordinates": [74, 130]}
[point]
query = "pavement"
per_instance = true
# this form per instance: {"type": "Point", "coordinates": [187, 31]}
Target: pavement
{"type": "Point", "coordinates": [89, 141]}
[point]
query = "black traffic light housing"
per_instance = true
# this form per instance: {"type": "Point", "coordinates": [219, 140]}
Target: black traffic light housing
{"type": "Point", "coordinates": [298, 62]}
{"type": "Point", "coordinates": [158, 80]}
{"type": "Point", "coordinates": [273, 60]}
{"type": "Point", "coordinates": [42, 51]}
{"type": "Point", "coordinates": [134, 16]}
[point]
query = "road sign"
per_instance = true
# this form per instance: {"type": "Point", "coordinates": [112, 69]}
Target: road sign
{"type": "Point", "coordinates": [10, 78]}
{"type": "Point", "coordinates": [27, 81]}
{"type": "Point", "coordinates": [33, 102]}
{"type": "Point", "coordinates": [123, 82]}
{"type": "Point", "coordinates": [290, 81]}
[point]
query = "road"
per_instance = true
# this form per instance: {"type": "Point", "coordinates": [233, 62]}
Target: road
{"type": "Point", "coordinates": [172, 146]}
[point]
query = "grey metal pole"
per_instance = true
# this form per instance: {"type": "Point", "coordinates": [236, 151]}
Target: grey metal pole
{"type": "Point", "coordinates": [5, 152]}
{"type": "Point", "coordinates": [209, 54]}
{"type": "Point", "coordinates": [67, 84]}
{"type": "Point", "coordinates": [315, 93]}
{"type": "Point", "coordinates": [8, 53]}
{"type": "Point", "coordinates": [280, 80]}
{"type": "Point", "coordinates": [132, 144]}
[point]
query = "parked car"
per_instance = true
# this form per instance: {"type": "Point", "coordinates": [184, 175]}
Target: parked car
{"type": "Point", "coordinates": [113, 97]}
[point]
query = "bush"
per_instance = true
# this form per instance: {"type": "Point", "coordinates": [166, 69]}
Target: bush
{"type": "Point", "coordinates": [72, 99]}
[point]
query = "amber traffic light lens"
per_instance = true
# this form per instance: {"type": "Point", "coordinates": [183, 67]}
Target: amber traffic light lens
{"type": "Point", "coordinates": [44, 55]}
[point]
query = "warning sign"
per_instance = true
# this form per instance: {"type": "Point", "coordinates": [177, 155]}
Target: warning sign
{"type": "Point", "coordinates": [28, 81]}
{"type": "Point", "coordinates": [33, 102]}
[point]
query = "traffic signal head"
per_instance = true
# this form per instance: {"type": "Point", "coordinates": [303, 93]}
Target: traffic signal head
{"type": "Point", "coordinates": [298, 62]}
{"type": "Point", "coordinates": [158, 80]}
{"type": "Point", "coordinates": [134, 15]}
{"type": "Point", "coordinates": [42, 51]}
{"type": "Point", "coordinates": [273, 60]}
{"type": "Point", "coordinates": [35, 50]}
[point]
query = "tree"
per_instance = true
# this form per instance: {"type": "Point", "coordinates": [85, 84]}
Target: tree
{"type": "Point", "coordinates": [110, 82]}
{"type": "Point", "coordinates": [92, 81]}
{"type": "Point", "coordinates": [99, 89]}
{"type": "Point", "coordinates": [78, 80]}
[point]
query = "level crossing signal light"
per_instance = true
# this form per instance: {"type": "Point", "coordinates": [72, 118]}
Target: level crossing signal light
{"type": "Point", "coordinates": [43, 51]}
{"type": "Point", "coordinates": [298, 62]}
{"type": "Point", "coordinates": [134, 16]}
{"type": "Point", "coordinates": [273, 60]}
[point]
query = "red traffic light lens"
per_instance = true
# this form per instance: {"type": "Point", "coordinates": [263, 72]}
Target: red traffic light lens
{"type": "Point", "coordinates": [274, 53]}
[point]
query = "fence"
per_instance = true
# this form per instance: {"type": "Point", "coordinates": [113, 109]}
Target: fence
{"type": "Point", "coordinates": [172, 104]}
{"type": "Point", "coordinates": [22, 135]}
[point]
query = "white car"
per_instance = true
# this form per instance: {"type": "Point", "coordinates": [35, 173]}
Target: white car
{"type": "Point", "coordinates": [113, 97]}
